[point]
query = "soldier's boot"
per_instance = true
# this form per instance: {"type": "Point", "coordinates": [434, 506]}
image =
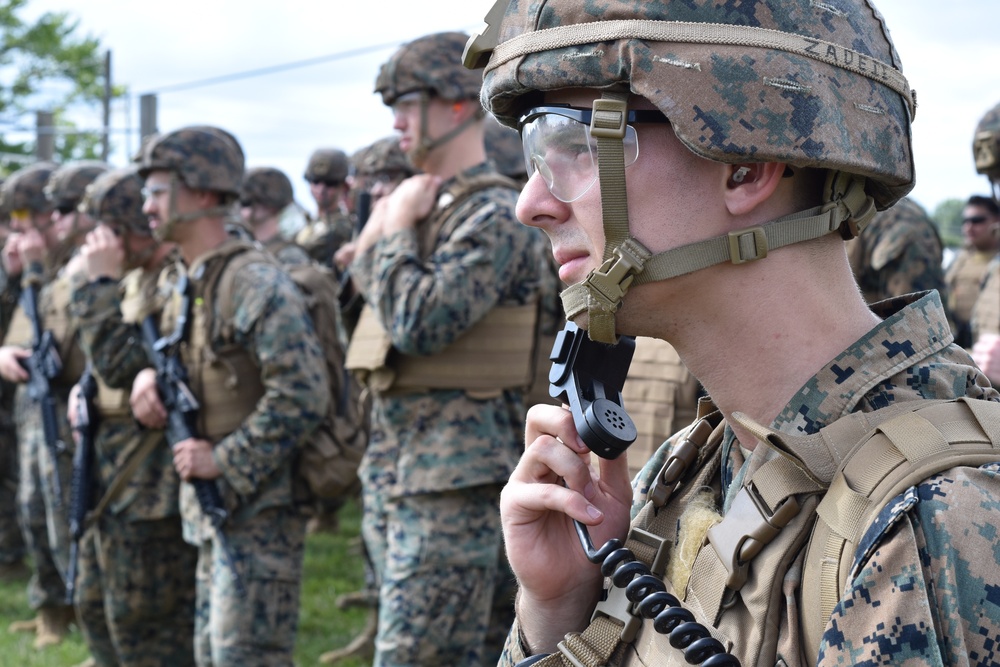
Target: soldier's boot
{"type": "Point", "coordinates": [362, 646]}
{"type": "Point", "coordinates": [326, 522]}
{"type": "Point", "coordinates": [363, 598]}
{"type": "Point", "coordinates": [53, 625]}
{"type": "Point", "coordinates": [89, 662]}
{"type": "Point", "coordinates": [14, 571]}
{"type": "Point", "coordinates": [24, 626]}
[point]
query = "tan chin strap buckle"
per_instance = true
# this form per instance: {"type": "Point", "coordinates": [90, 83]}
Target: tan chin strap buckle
{"type": "Point", "coordinates": [854, 207]}
{"type": "Point", "coordinates": [601, 293]}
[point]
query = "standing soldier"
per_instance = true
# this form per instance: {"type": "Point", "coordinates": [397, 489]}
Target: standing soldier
{"type": "Point", "coordinates": [697, 166]}
{"type": "Point", "coordinates": [42, 200]}
{"type": "Point", "coordinates": [446, 273]}
{"type": "Point", "coordinates": [964, 279]}
{"type": "Point", "coordinates": [899, 253]}
{"type": "Point", "coordinates": [265, 193]}
{"type": "Point", "coordinates": [136, 573]}
{"type": "Point", "coordinates": [326, 173]}
{"type": "Point", "coordinates": [986, 312]}
{"type": "Point", "coordinates": [258, 375]}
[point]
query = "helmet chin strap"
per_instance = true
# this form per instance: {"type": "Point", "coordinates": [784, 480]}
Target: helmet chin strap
{"type": "Point", "coordinates": [427, 144]}
{"type": "Point", "coordinates": [847, 209]}
{"type": "Point", "coordinates": [162, 233]}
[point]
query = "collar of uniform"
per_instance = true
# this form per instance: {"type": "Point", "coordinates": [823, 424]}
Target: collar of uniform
{"type": "Point", "coordinates": [914, 327]}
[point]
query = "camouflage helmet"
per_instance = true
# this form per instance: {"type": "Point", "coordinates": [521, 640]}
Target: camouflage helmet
{"type": "Point", "coordinates": [115, 199]}
{"type": "Point", "coordinates": [432, 63]}
{"type": "Point", "coordinates": [808, 84]}
{"type": "Point", "coordinates": [202, 157]}
{"type": "Point", "coordinates": [67, 184]}
{"type": "Point", "coordinates": [503, 147]}
{"type": "Point", "coordinates": [383, 156]}
{"type": "Point", "coordinates": [267, 186]}
{"type": "Point", "coordinates": [25, 189]}
{"type": "Point", "coordinates": [327, 165]}
{"type": "Point", "coordinates": [986, 145]}
{"type": "Point", "coordinates": [812, 85]}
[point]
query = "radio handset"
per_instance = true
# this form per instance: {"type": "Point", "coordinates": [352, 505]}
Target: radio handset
{"type": "Point", "coordinates": [589, 376]}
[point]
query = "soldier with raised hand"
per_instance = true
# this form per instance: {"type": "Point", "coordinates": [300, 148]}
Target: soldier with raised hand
{"type": "Point", "coordinates": [446, 273]}
{"type": "Point", "coordinates": [326, 172]}
{"type": "Point", "coordinates": [257, 372]}
{"type": "Point", "coordinates": [265, 193]}
{"type": "Point", "coordinates": [769, 134]}
{"type": "Point", "coordinates": [136, 573]}
{"type": "Point", "coordinates": [43, 202]}
{"type": "Point", "coordinates": [986, 311]}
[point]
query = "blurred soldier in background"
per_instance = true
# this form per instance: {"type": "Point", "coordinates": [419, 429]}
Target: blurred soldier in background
{"type": "Point", "coordinates": [986, 312]}
{"type": "Point", "coordinates": [265, 194]}
{"type": "Point", "coordinates": [257, 371]}
{"type": "Point", "coordinates": [43, 202]}
{"type": "Point", "coordinates": [326, 173]}
{"type": "Point", "coordinates": [899, 253]}
{"type": "Point", "coordinates": [446, 272]}
{"type": "Point", "coordinates": [964, 278]}
{"type": "Point", "coordinates": [137, 574]}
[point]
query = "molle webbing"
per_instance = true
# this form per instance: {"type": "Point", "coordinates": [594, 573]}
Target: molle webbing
{"type": "Point", "coordinates": [495, 353]}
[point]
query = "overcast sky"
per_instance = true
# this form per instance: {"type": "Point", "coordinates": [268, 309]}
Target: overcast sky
{"type": "Point", "coordinates": [949, 57]}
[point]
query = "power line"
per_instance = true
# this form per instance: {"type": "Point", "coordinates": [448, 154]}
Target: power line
{"type": "Point", "coordinates": [272, 69]}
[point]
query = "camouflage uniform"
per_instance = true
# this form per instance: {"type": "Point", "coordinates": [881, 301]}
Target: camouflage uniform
{"type": "Point", "coordinates": [986, 312]}
{"type": "Point", "coordinates": [255, 421]}
{"type": "Point", "coordinates": [12, 549]}
{"type": "Point", "coordinates": [964, 281]}
{"type": "Point", "coordinates": [136, 573]}
{"type": "Point", "coordinates": [334, 228]}
{"type": "Point", "coordinates": [898, 253]}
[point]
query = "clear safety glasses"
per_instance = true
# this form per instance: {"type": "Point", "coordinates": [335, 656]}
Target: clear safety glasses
{"type": "Point", "coordinates": [557, 144]}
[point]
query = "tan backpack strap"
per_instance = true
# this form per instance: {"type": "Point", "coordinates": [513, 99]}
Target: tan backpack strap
{"type": "Point", "coordinates": [593, 647]}
{"type": "Point", "coordinates": [932, 437]}
{"type": "Point", "coordinates": [147, 444]}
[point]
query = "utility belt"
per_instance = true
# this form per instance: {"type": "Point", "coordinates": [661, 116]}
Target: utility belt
{"type": "Point", "coordinates": [497, 353]}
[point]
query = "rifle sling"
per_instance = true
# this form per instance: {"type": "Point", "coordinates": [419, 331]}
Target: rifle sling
{"type": "Point", "coordinates": [148, 442]}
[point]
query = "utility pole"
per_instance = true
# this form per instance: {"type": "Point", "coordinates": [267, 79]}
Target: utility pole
{"type": "Point", "coordinates": [147, 116]}
{"type": "Point", "coordinates": [45, 135]}
{"type": "Point", "coordinates": [105, 139]}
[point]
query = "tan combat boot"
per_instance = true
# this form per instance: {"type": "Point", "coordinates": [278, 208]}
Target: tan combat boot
{"type": "Point", "coordinates": [24, 626]}
{"type": "Point", "coordinates": [89, 662]}
{"type": "Point", "coordinates": [53, 625]}
{"type": "Point", "coordinates": [362, 646]}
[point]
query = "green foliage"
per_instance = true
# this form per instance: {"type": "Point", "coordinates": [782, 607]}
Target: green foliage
{"type": "Point", "coordinates": [47, 66]}
{"type": "Point", "coordinates": [333, 566]}
{"type": "Point", "coordinates": [948, 218]}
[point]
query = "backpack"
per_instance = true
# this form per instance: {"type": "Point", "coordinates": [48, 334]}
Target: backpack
{"type": "Point", "coordinates": [328, 461]}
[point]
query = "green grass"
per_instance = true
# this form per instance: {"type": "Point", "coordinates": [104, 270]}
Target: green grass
{"type": "Point", "coordinates": [333, 566]}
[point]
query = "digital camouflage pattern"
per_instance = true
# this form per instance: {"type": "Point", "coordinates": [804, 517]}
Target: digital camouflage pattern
{"type": "Point", "coordinates": [503, 147]}
{"type": "Point", "coordinates": [912, 600]}
{"type": "Point", "coordinates": [428, 445]}
{"type": "Point", "coordinates": [327, 165]}
{"type": "Point", "coordinates": [115, 198]}
{"type": "Point", "coordinates": [382, 158]}
{"type": "Point", "coordinates": [433, 64]}
{"type": "Point", "coordinates": [898, 253]}
{"type": "Point", "coordinates": [324, 236]}
{"type": "Point", "coordinates": [266, 186]}
{"type": "Point", "coordinates": [726, 102]}
{"type": "Point", "coordinates": [11, 542]}
{"type": "Point", "coordinates": [202, 157]}
{"type": "Point", "coordinates": [25, 189]}
{"type": "Point", "coordinates": [986, 145]}
{"type": "Point", "coordinates": [66, 185]}
{"type": "Point", "coordinates": [257, 630]}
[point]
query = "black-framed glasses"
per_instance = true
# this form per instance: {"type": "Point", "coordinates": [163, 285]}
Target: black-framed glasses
{"type": "Point", "coordinates": [557, 144]}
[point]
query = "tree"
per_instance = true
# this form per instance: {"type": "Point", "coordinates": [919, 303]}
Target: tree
{"type": "Point", "coordinates": [948, 218]}
{"type": "Point", "coordinates": [46, 66]}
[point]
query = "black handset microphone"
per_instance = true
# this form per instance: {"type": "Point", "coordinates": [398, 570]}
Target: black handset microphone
{"type": "Point", "coordinates": [589, 376]}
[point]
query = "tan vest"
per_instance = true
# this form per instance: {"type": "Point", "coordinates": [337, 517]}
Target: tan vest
{"type": "Point", "coordinates": [53, 308]}
{"type": "Point", "coordinates": [496, 353]}
{"type": "Point", "coordinates": [964, 279]}
{"type": "Point", "coordinates": [986, 313]}
{"type": "Point", "coordinates": [222, 375]}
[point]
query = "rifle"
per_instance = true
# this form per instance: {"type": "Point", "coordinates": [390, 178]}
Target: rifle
{"type": "Point", "coordinates": [182, 415]}
{"type": "Point", "coordinates": [81, 492]}
{"type": "Point", "coordinates": [43, 366]}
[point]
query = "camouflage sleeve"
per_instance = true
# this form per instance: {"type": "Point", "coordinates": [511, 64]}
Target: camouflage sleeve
{"type": "Point", "coordinates": [514, 650]}
{"type": "Point", "coordinates": [926, 592]}
{"type": "Point", "coordinates": [271, 322]}
{"type": "Point", "coordinates": [425, 306]}
{"type": "Point", "coordinates": [114, 347]}
{"type": "Point", "coordinates": [10, 293]}
{"type": "Point", "coordinates": [907, 259]}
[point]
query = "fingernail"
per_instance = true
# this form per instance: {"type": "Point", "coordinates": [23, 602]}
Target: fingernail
{"type": "Point", "coordinates": [580, 444]}
{"type": "Point", "coordinates": [593, 512]}
{"type": "Point", "coordinates": [589, 491]}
